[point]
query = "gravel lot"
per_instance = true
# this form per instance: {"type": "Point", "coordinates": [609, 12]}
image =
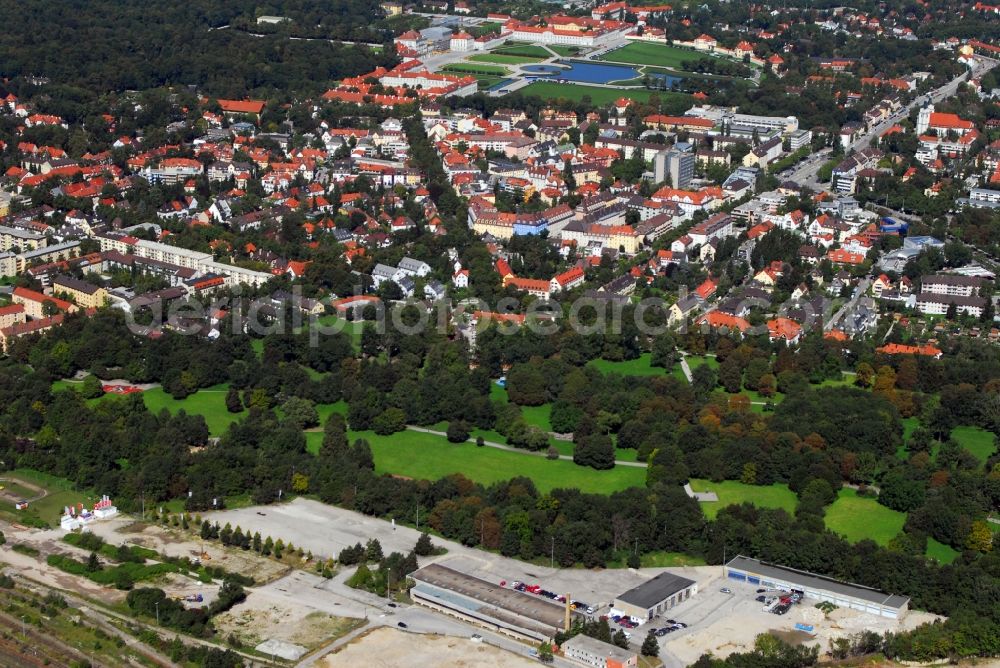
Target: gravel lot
{"type": "Point", "coordinates": [390, 648]}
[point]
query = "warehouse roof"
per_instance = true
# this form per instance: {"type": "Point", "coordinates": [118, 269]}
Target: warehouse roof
{"type": "Point", "coordinates": [655, 590]}
{"type": "Point", "coordinates": [812, 581]}
{"type": "Point", "coordinates": [499, 598]}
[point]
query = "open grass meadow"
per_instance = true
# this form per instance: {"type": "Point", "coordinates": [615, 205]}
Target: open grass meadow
{"type": "Point", "coordinates": [431, 457]}
{"type": "Point", "coordinates": [732, 492]}
{"type": "Point", "coordinates": [856, 518]}
{"type": "Point", "coordinates": [640, 366]}
{"type": "Point", "coordinates": [944, 554]}
{"type": "Point", "coordinates": [551, 90]}
{"type": "Point", "coordinates": [209, 402]}
{"type": "Point", "coordinates": [649, 53]}
{"type": "Point", "coordinates": [978, 441]}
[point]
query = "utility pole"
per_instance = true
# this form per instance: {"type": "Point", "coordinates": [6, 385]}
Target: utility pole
{"type": "Point", "coordinates": [23, 617]}
{"type": "Point", "coordinates": [552, 555]}
{"type": "Point", "coordinates": [418, 517]}
{"type": "Point", "coordinates": [157, 604]}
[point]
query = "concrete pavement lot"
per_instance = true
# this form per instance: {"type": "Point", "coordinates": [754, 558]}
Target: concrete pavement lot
{"type": "Point", "coordinates": [326, 530]}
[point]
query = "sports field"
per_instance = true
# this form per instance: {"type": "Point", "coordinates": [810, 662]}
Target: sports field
{"type": "Point", "coordinates": [855, 518]}
{"type": "Point", "coordinates": [648, 53]}
{"type": "Point", "coordinates": [430, 457]}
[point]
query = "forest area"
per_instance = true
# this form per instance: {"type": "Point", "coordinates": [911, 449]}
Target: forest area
{"type": "Point", "coordinates": [89, 49]}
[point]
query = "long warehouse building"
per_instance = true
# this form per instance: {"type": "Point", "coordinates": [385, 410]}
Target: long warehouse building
{"type": "Point", "coordinates": [818, 587]}
{"type": "Point", "coordinates": [498, 608]}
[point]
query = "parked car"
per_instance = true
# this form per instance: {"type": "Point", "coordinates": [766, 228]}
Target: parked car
{"type": "Point", "coordinates": [760, 599]}
{"type": "Point", "coordinates": [761, 591]}
{"type": "Point", "coordinates": [401, 625]}
{"type": "Point", "coordinates": [726, 590]}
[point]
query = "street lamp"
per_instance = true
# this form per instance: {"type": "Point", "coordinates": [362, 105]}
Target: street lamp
{"type": "Point", "coordinates": [157, 605]}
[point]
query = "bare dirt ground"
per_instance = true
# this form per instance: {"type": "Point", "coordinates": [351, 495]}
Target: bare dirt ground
{"type": "Point", "coordinates": [388, 648]}
{"type": "Point", "coordinates": [262, 617]}
{"type": "Point", "coordinates": [36, 569]}
{"type": "Point", "coordinates": [174, 542]}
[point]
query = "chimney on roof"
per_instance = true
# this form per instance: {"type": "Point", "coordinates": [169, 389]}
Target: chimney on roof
{"type": "Point", "coordinates": [566, 621]}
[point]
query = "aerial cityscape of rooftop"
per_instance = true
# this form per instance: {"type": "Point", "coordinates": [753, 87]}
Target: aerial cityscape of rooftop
{"type": "Point", "coordinates": [499, 332]}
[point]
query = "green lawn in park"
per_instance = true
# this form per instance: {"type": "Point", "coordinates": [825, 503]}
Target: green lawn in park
{"type": "Point", "coordinates": [855, 518]}
{"type": "Point", "coordinates": [640, 366]}
{"type": "Point", "coordinates": [431, 457]}
{"type": "Point", "coordinates": [538, 416]}
{"type": "Point", "coordinates": [944, 554]}
{"type": "Point", "coordinates": [649, 53]}
{"type": "Point", "coordinates": [551, 90]}
{"type": "Point", "coordinates": [977, 441]}
{"type": "Point", "coordinates": [524, 51]}
{"type": "Point", "coordinates": [694, 362]}
{"type": "Point", "coordinates": [209, 402]}
{"type": "Point", "coordinates": [503, 59]}
{"type": "Point", "coordinates": [731, 492]}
